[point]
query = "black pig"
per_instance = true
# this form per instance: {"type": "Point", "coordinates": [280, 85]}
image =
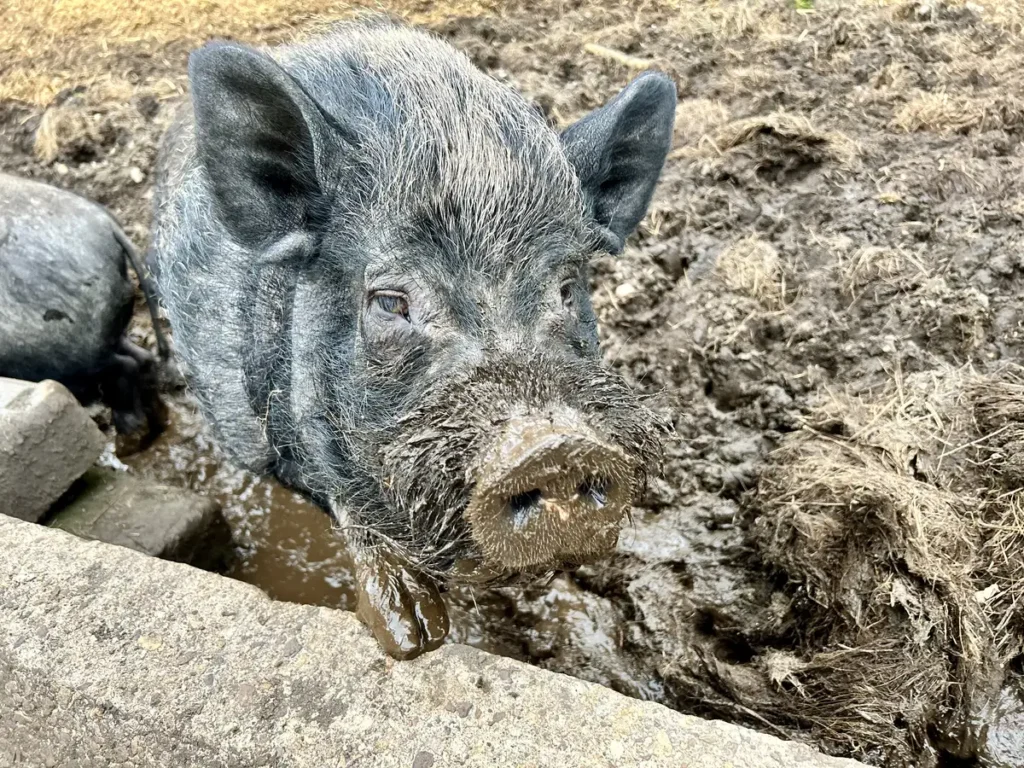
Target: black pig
{"type": "Point", "coordinates": [374, 258]}
{"type": "Point", "coordinates": [66, 300]}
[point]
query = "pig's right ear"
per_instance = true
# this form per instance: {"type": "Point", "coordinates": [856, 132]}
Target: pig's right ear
{"type": "Point", "coordinates": [259, 136]}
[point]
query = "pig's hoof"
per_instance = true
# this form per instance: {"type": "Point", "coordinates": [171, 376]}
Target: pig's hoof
{"type": "Point", "coordinates": [403, 609]}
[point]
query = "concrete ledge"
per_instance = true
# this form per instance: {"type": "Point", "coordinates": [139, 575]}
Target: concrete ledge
{"type": "Point", "coordinates": [110, 658]}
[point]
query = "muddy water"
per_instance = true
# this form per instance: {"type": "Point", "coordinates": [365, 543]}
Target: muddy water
{"type": "Point", "coordinates": [1004, 742]}
{"type": "Point", "coordinates": [283, 544]}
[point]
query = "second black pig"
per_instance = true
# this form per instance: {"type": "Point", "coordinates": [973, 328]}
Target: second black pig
{"type": "Point", "coordinates": [375, 262]}
{"type": "Point", "coordinates": [66, 301]}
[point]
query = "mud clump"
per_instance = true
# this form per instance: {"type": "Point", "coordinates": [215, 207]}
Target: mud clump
{"type": "Point", "coordinates": [894, 542]}
{"type": "Point", "coordinates": [775, 147]}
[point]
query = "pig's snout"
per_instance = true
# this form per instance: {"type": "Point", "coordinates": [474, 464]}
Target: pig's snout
{"type": "Point", "coordinates": [550, 490]}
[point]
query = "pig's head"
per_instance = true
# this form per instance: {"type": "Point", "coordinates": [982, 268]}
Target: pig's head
{"type": "Point", "coordinates": [424, 349]}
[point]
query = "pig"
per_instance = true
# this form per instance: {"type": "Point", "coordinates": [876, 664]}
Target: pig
{"type": "Point", "coordinates": [374, 258]}
{"type": "Point", "coordinates": [66, 300]}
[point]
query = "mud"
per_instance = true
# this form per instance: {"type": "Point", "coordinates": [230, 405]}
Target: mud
{"type": "Point", "coordinates": [843, 209]}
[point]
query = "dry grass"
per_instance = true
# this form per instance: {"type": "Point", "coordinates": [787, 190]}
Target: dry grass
{"type": "Point", "coordinates": [752, 267]}
{"type": "Point", "coordinates": [942, 113]}
{"type": "Point", "coordinates": [968, 63]}
{"type": "Point", "coordinates": [696, 118]}
{"type": "Point", "coordinates": [1007, 14]}
{"type": "Point", "coordinates": [46, 46]}
{"type": "Point", "coordinates": [939, 112]}
{"type": "Point", "coordinates": [896, 76]}
{"type": "Point", "coordinates": [630, 62]}
{"type": "Point", "coordinates": [752, 78]}
{"type": "Point", "coordinates": [61, 130]}
{"type": "Point", "coordinates": [730, 20]}
{"type": "Point", "coordinates": [91, 119]}
{"type": "Point", "coordinates": [895, 267]}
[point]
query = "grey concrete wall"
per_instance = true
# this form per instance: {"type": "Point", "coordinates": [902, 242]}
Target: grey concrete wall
{"type": "Point", "coordinates": [110, 658]}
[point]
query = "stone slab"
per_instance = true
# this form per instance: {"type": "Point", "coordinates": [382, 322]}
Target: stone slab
{"type": "Point", "coordinates": [122, 509]}
{"type": "Point", "coordinates": [11, 388]}
{"type": "Point", "coordinates": [47, 441]}
{"type": "Point", "coordinates": [109, 658]}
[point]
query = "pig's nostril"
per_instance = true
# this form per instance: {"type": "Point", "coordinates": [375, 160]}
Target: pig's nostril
{"type": "Point", "coordinates": [523, 505]}
{"type": "Point", "coordinates": [595, 489]}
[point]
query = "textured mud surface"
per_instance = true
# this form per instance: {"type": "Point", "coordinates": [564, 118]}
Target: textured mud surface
{"type": "Point", "coordinates": [843, 211]}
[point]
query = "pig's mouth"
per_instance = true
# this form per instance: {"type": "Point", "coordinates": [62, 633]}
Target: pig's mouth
{"type": "Point", "coordinates": [526, 464]}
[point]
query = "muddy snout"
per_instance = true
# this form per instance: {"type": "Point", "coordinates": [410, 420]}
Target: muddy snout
{"type": "Point", "coordinates": [550, 490]}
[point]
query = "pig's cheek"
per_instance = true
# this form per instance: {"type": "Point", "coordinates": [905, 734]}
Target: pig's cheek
{"type": "Point", "coordinates": [404, 612]}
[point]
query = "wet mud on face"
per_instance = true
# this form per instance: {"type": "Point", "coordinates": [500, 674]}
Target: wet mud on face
{"type": "Point", "coordinates": [285, 545]}
{"type": "Point", "coordinates": [840, 221]}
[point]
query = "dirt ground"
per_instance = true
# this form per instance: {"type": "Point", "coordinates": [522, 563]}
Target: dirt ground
{"type": "Point", "coordinates": [825, 300]}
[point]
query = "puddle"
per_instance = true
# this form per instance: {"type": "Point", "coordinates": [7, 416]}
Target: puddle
{"type": "Point", "coordinates": [283, 544]}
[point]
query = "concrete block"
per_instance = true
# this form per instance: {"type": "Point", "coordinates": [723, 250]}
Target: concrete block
{"type": "Point", "coordinates": [109, 659]}
{"type": "Point", "coordinates": [128, 511]}
{"type": "Point", "coordinates": [47, 441]}
{"type": "Point", "coordinates": [11, 388]}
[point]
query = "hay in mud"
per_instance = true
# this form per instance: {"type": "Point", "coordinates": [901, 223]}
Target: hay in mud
{"type": "Point", "coordinates": [774, 146]}
{"type": "Point", "coordinates": [702, 117]}
{"type": "Point", "coordinates": [90, 120]}
{"type": "Point", "coordinates": [898, 548]}
{"type": "Point", "coordinates": [895, 268]}
{"type": "Point", "coordinates": [998, 408]}
{"type": "Point", "coordinates": [752, 267]}
{"type": "Point", "coordinates": [942, 113]}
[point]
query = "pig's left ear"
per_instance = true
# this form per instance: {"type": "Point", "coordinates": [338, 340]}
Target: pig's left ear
{"type": "Point", "coordinates": [618, 152]}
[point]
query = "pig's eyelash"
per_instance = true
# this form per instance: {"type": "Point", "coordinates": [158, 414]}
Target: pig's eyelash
{"type": "Point", "coordinates": [391, 302]}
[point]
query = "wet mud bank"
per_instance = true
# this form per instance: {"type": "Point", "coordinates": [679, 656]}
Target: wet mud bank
{"type": "Point", "coordinates": [825, 301]}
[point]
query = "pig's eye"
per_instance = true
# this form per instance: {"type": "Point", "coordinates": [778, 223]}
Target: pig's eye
{"type": "Point", "coordinates": [568, 293]}
{"type": "Point", "coordinates": [391, 303]}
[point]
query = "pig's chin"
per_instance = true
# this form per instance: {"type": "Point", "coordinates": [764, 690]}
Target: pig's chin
{"type": "Point", "coordinates": [480, 572]}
